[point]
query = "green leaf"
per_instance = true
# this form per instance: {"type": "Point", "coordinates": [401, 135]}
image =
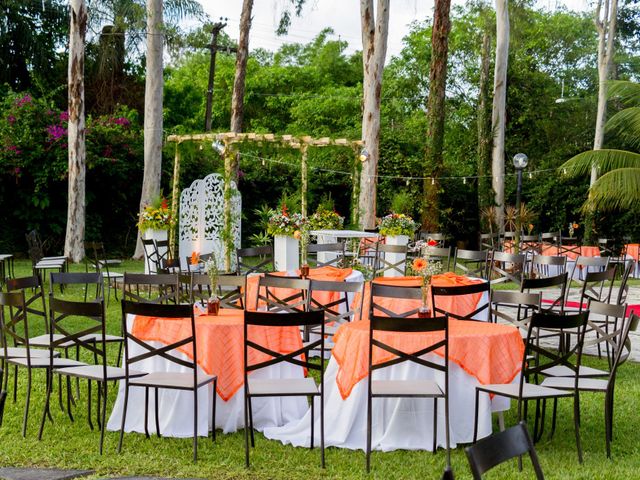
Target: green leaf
{"type": "Point", "coordinates": [606, 160]}
{"type": "Point", "coordinates": [616, 190]}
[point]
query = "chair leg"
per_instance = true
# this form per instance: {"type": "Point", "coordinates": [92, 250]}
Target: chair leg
{"type": "Point", "coordinates": [124, 416]}
{"type": "Point", "coordinates": [69, 398]}
{"type": "Point", "coordinates": [49, 383]}
{"type": "Point", "coordinates": [607, 425]}
{"type": "Point", "coordinates": [312, 425]}
{"type": "Point", "coordinates": [26, 405]}
{"type": "Point", "coordinates": [553, 418]}
{"type": "Point", "coordinates": [322, 463]}
{"type": "Point", "coordinates": [146, 412]}
{"type": "Point", "coordinates": [213, 411]}
{"type": "Point", "coordinates": [246, 430]}
{"type": "Point", "coordinates": [475, 418]}
{"type": "Point", "coordinates": [253, 440]}
{"type": "Point", "coordinates": [157, 412]}
{"type": "Point", "coordinates": [89, 412]}
{"type": "Point", "coordinates": [3, 399]}
{"type": "Point", "coordinates": [103, 425]}
{"type": "Point", "coordinates": [576, 421]}
{"type": "Point", "coordinates": [15, 383]}
{"type": "Point", "coordinates": [195, 425]}
{"type": "Point", "coordinates": [435, 425]}
{"type": "Point", "coordinates": [368, 450]}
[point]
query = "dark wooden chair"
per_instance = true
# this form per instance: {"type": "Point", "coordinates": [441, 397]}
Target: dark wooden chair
{"type": "Point", "coordinates": [500, 447]}
{"type": "Point", "coordinates": [460, 290]}
{"type": "Point", "coordinates": [262, 260]}
{"type": "Point", "coordinates": [409, 388]}
{"type": "Point", "coordinates": [283, 387]}
{"type": "Point", "coordinates": [186, 381]}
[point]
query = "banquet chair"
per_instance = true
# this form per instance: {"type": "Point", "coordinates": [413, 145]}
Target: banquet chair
{"type": "Point", "coordinates": [623, 290]}
{"type": "Point", "coordinates": [514, 307]}
{"type": "Point", "coordinates": [530, 244]}
{"type": "Point", "coordinates": [411, 387]}
{"type": "Point", "coordinates": [556, 285]}
{"type": "Point", "coordinates": [170, 265]}
{"type": "Point", "coordinates": [101, 263]}
{"type": "Point", "coordinates": [34, 296]}
{"type": "Point", "coordinates": [473, 263]}
{"type": "Point", "coordinates": [595, 286]}
{"type": "Point", "coordinates": [150, 253]}
{"type": "Point", "coordinates": [191, 380]}
{"type": "Point", "coordinates": [489, 241]}
{"type": "Point", "coordinates": [545, 357]}
{"type": "Point", "coordinates": [549, 239]}
{"type": "Point", "coordinates": [15, 326]}
{"type": "Point", "coordinates": [336, 251]}
{"type": "Point", "coordinates": [568, 245]}
{"type": "Point", "coordinates": [386, 300]}
{"type": "Point", "coordinates": [81, 324]}
{"type": "Point", "coordinates": [166, 285]}
{"type": "Point", "coordinates": [619, 340]}
{"type": "Point", "coordinates": [283, 387]}
{"type": "Point", "coordinates": [230, 290]}
{"type": "Point", "coordinates": [612, 249]}
{"type": "Point", "coordinates": [500, 447]}
{"type": "Point", "coordinates": [283, 294]}
{"type": "Point", "coordinates": [439, 238]}
{"type": "Point", "coordinates": [163, 252]}
{"type": "Point", "coordinates": [584, 264]}
{"type": "Point", "coordinates": [506, 267]}
{"type": "Point", "coordinates": [507, 241]}
{"type": "Point", "coordinates": [199, 267]}
{"type": "Point", "coordinates": [461, 291]}
{"type": "Point", "coordinates": [382, 264]}
{"type": "Point", "coordinates": [338, 310]}
{"type": "Point", "coordinates": [440, 254]}
{"type": "Point", "coordinates": [547, 265]}
{"type": "Point", "coordinates": [255, 260]}
{"type": "Point", "coordinates": [39, 263]}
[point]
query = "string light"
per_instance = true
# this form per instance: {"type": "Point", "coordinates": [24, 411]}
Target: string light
{"type": "Point", "coordinates": [364, 155]}
{"type": "Point", "coordinates": [407, 182]}
{"type": "Point", "coordinates": [564, 171]}
{"type": "Point", "coordinates": [464, 180]}
{"type": "Point", "coordinates": [433, 181]}
{"type": "Point", "coordinates": [218, 146]}
{"type": "Point", "coordinates": [530, 175]}
{"type": "Point", "coordinates": [263, 162]}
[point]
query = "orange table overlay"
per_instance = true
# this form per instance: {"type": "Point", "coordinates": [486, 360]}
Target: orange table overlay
{"type": "Point", "coordinates": [633, 250]}
{"type": "Point", "coordinates": [461, 305]}
{"type": "Point", "coordinates": [490, 352]}
{"type": "Point", "coordinates": [328, 273]}
{"type": "Point", "coordinates": [220, 343]}
{"type": "Point", "coordinates": [585, 251]}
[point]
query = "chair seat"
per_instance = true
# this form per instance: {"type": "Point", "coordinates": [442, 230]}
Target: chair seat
{"type": "Point", "coordinates": [405, 388]}
{"type": "Point", "coordinates": [107, 338]}
{"type": "Point", "coordinates": [112, 275]}
{"type": "Point", "coordinates": [95, 372]}
{"type": "Point", "coordinates": [584, 371]}
{"type": "Point", "coordinates": [530, 390]}
{"type": "Point", "coordinates": [567, 383]}
{"type": "Point", "coordinates": [282, 387]}
{"type": "Point", "coordinates": [21, 352]}
{"type": "Point", "coordinates": [178, 380]}
{"type": "Point", "coordinates": [43, 362]}
{"type": "Point", "coordinates": [45, 340]}
{"type": "Point", "coordinates": [111, 261]}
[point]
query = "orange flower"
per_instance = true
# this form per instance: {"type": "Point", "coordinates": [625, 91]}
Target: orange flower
{"type": "Point", "coordinates": [419, 264]}
{"type": "Point", "coordinates": [297, 234]}
{"type": "Point", "coordinates": [576, 226]}
{"type": "Point", "coordinates": [195, 258]}
{"type": "Point", "coordinates": [164, 204]}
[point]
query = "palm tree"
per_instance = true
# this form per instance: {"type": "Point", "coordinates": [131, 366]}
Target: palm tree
{"type": "Point", "coordinates": [619, 186]}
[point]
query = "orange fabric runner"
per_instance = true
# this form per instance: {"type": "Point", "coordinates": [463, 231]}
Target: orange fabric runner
{"type": "Point", "coordinates": [220, 343]}
{"type": "Point", "coordinates": [461, 305]}
{"type": "Point", "coordinates": [490, 352]}
{"type": "Point", "coordinates": [328, 273]}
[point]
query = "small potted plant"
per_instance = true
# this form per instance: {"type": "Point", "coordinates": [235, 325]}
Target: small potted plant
{"type": "Point", "coordinates": [211, 267]}
{"type": "Point", "coordinates": [396, 228]}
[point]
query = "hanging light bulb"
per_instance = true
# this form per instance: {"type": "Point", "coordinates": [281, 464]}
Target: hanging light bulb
{"type": "Point", "coordinates": [364, 155]}
{"type": "Point", "coordinates": [564, 171]}
{"type": "Point", "coordinates": [263, 162]}
{"type": "Point", "coordinates": [433, 181]}
{"type": "Point", "coordinates": [218, 146]}
{"type": "Point", "coordinates": [464, 180]}
{"type": "Point", "coordinates": [530, 175]}
{"type": "Point", "coordinates": [201, 147]}
{"type": "Point", "coordinates": [407, 182]}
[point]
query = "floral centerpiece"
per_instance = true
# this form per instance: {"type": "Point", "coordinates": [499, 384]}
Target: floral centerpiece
{"type": "Point", "coordinates": [325, 219]}
{"type": "Point", "coordinates": [425, 268]}
{"type": "Point", "coordinates": [396, 224]}
{"type": "Point", "coordinates": [572, 228]}
{"type": "Point", "coordinates": [211, 267]}
{"type": "Point", "coordinates": [156, 215]}
{"type": "Point", "coordinates": [283, 223]}
{"type": "Point", "coordinates": [287, 230]}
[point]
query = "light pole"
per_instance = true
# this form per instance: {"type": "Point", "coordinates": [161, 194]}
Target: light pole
{"type": "Point", "coordinates": [520, 161]}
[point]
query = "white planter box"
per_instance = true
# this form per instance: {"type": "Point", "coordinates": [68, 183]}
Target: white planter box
{"type": "Point", "coordinates": [157, 235]}
{"type": "Point", "coordinates": [286, 253]}
{"type": "Point", "coordinates": [394, 258]}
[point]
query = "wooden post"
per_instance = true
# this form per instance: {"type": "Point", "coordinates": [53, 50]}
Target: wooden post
{"type": "Point", "coordinates": [304, 174]}
{"type": "Point", "coordinates": [227, 234]}
{"type": "Point", "coordinates": [175, 193]}
{"type": "Point", "coordinates": [355, 181]}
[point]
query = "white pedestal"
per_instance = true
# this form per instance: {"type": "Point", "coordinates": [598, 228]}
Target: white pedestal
{"type": "Point", "coordinates": [326, 257]}
{"type": "Point", "coordinates": [156, 235]}
{"type": "Point", "coordinates": [394, 258]}
{"type": "Point", "coordinates": [286, 253]}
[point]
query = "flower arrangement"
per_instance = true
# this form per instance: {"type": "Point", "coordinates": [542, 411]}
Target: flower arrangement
{"type": "Point", "coordinates": [211, 267]}
{"type": "Point", "coordinates": [282, 223]}
{"type": "Point", "coordinates": [396, 224]}
{"type": "Point", "coordinates": [156, 216]}
{"type": "Point", "coordinates": [425, 268]}
{"type": "Point", "coordinates": [195, 259]}
{"type": "Point", "coordinates": [572, 228]}
{"type": "Point", "coordinates": [325, 219]}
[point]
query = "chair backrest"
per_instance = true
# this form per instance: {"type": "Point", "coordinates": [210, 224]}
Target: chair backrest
{"type": "Point", "coordinates": [540, 265]}
{"type": "Point", "coordinates": [557, 282]}
{"type": "Point", "coordinates": [624, 344]}
{"type": "Point", "coordinates": [14, 326]}
{"type": "Point", "coordinates": [34, 244]}
{"type": "Point", "coordinates": [387, 300]}
{"type": "Point", "coordinates": [439, 238]}
{"type": "Point", "coordinates": [300, 357]}
{"type": "Point", "coordinates": [170, 265]}
{"type": "Point", "coordinates": [500, 447]}
{"type": "Point", "coordinates": [150, 253]}
{"type": "Point", "coordinates": [334, 258]}
{"type": "Point", "coordinates": [161, 313]}
{"type": "Point", "coordinates": [623, 291]}
{"type": "Point", "coordinates": [460, 290]}
{"type": "Point", "coordinates": [489, 241]}
{"type": "Point", "coordinates": [505, 267]}
{"type": "Point", "coordinates": [163, 252]}
{"type": "Point", "coordinates": [231, 291]}
{"type": "Point", "coordinates": [283, 294]}
{"type": "Point", "coordinates": [34, 296]}
{"type": "Point", "coordinates": [504, 302]}
{"type": "Point", "coordinates": [473, 263]}
{"type": "Point", "coordinates": [167, 286]}
{"type": "Point", "coordinates": [198, 267]}
{"type": "Point", "coordinates": [608, 322]}
{"type": "Point", "coordinates": [597, 286]}
{"type": "Point", "coordinates": [530, 243]}
{"type": "Point", "coordinates": [262, 263]}
{"type": "Point", "coordinates": [67, 279]}
{"type": "Point", "coordinates": [339, 308]}
{"type": "Point", "coordinates": [78, 323]}
{"type": "Point", "coordinates": [441, 254]}
{"type": "Point", "coordinates": [384, 264]}
{"type": "Point", "coordinates": [99, 253]}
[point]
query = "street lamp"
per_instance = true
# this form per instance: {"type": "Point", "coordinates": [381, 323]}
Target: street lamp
{"type": "Point", "coordinates": [520, 161]}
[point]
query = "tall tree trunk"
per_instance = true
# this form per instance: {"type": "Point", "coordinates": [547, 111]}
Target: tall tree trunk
{"type": "Point", "coordinates": [152, 111]}
{"type": "Point", "coordinates": [606, 26]}
{"type": "Point", "coordinates": [498, 121]}
{"type": "Point", "coordinates": [485, 193]}
{"type": "Point", "coordinates": [375, 28]}
{"type": "Point", "coordinates": [435, 113]}
{"type": "Point", "coordinates": [74, 240]}
{"type": "Point", "coordinates": [242, 55]}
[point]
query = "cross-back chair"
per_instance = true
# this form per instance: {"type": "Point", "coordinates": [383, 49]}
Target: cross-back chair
{"type": "Point", "coordinates": [530, 244]}
{"type": "Point", "coordinates": [547, 265]}
{"type": "Point", "coordinates": [255, 260]}
{"type": "Point", "coordinates": [480, 288]}
{"type": "Point", "coordinates": [333, 254]}
{"type": "Point", "coordinates": [514, 308]}
{"type": "Point", "coordinates": [623, 290]}
{"type": "Point", "coordinates": [473, 263]}
{"type": "Point", "coordinates": [283, 294]}
{"type": "Point", "coordinates": [507, 267]}
{"type": "Point", "coordinates": [383, 264]}
{"type": "Point", "coordinates": [161, 288]}
{"type": "Point", "coordinates": [556, 286]}
{"type": "Point", "coordinates": [190, 380]}
{"type": "Point", "coordinates": [230, 290]}
{"type": "Point", "coordinates": [345, 306]}
{"type": "Point", "coordinates": [440, 254]}
{"type": "Point", "coordinates": [439, 238]}
{"type": "Point", "coordinates": [387, 300]}
{"type": "Point", "coordinates": [283, 387]}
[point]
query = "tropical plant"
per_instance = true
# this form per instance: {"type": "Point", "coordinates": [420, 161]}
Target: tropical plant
{"type": "Point", "coordinates": [619, 186]}
{"type": "Point", "coordinates": [156, 215]}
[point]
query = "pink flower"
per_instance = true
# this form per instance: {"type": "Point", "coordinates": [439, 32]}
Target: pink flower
{"type": "Point", "coordinates": [123, 121]}
{"type": "Point", "coordinates": [23, 101]}
{"type": "Point", "coordinates": [11, 119]}
{"type": "Point", "coordinates": [56, 132]}
{"type": "Point", "coordinates": [64, 116]}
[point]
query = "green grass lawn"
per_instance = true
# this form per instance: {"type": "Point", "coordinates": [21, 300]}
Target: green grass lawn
{"type": "Point", "coordinates": [69, 444]}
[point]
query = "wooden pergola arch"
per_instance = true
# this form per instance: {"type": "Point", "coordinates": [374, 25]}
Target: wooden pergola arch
{"type": "Point", "coordinates": [230, 139]}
